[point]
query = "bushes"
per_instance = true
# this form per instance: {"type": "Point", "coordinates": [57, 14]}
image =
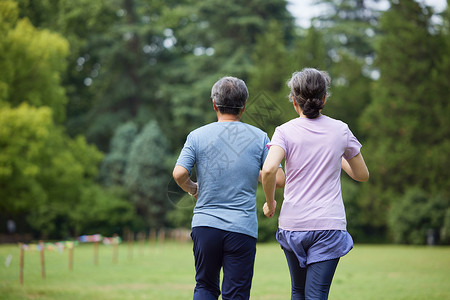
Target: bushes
{"type": "Point", "coordinates": [418, 214]}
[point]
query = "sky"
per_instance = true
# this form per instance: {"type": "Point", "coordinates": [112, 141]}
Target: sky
{"type": "Point", "coordinates": [303, 10]}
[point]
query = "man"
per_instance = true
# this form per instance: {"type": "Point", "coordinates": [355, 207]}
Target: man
{"type": "Point", "coordinates": [228, 156]}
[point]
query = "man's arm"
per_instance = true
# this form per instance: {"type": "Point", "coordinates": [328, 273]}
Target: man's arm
{"type": "Point", "coordinates": [280, 178]}
{"type": "Point", "coordinates": [181, 176]}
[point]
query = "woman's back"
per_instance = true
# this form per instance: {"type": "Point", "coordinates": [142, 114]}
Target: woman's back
{"type": "Point", "coordinates": [313, 150]}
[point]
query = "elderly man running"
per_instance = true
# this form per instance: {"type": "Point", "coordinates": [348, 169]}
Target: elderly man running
{"type": "Point", "coordinates": [228, 156]}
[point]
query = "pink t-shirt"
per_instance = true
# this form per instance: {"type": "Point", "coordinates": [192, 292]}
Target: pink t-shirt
{"type": "Point", "coordinates": [313, 151]}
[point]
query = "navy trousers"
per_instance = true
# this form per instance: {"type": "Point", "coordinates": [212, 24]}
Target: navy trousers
{"type": "Point", "coordinates": [312, 282]}
{"type": "Point", "coordinates": [215, 249]}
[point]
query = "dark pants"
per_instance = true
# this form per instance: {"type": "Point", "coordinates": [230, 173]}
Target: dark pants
{"type": "Point", "coordinates": [214, 249]}
{"type": "Point", "coordinates": [312, 282]}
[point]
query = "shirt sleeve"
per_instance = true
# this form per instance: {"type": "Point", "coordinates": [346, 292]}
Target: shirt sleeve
{"type": "Point", "coordinates": [353, 145]}
{"type": "Point", "coordinates": [187, 155]}
{"type": "Point", "coordinates": [265, 150]}
{"type": "Point", "coordinates": [278, 140]}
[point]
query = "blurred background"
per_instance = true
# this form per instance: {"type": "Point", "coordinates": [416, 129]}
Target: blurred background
{"type": "Point", "coordinates": [97, 98]}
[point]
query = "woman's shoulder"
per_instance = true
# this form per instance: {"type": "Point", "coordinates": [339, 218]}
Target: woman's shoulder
{"type": "Point", "coordinates": [333, 122]}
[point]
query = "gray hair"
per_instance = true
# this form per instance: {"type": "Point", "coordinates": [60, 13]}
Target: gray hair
{"type": "Point", "coordinates": [230, 95]}
{"type": "Point", "coordinates": [309, 88]}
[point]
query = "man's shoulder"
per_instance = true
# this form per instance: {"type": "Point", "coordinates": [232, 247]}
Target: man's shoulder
{"type": "Point", "coordinates": [218, 127]}
{"type": "Point", "coordinates": [255, 129]}
{"type": "Point", "coordinates": [202, 129]}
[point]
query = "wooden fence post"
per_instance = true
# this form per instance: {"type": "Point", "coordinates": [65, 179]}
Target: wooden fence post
{"type": "Point", "coordinates": [21, 259]}
{"type": "Point", "coordinates": [42, 249]}
{"type": "Point", "coordinates": [130, 239]}
{"type": "Point", "coordinates": [115, 248]}
{"type": "Point", "coordinates": [96, 253]}
{"type": "Point", "coordinates": [70, 246]}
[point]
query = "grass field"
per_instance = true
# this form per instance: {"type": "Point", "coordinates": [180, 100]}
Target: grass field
{"type": "Point", "coordinates": [167, 272]}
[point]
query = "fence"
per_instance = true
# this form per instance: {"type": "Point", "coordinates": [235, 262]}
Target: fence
{"type": "Point", "coordinates": [180, 235]}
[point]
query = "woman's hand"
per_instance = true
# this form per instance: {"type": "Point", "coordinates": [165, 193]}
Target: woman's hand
{"type": "Point", "coordinates": [269, 210]}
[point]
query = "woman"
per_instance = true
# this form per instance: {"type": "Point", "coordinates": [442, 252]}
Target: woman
{"type": "Point", "coordinates": [312, 223]}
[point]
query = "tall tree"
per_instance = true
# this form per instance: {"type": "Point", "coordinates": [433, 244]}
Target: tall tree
{"type": "Point", "coordinates": [219, 39]}
{"type": "Point", "coordinates": [268, 105]}
{"type": "Point", "coordinates": [112, 169]}
{"type": "Point", "coordinates": [44, 173]}
{"type": "Point", "coordinates": [348, 27]}
{"type": "Point", "coordinates": [80, 22]}
{"type": "Point", "coordinates": [32, 62]}
{"type": "Point", "coordinates": [405, 124]}
{"type": "Point", "coordinates": [146, 175]}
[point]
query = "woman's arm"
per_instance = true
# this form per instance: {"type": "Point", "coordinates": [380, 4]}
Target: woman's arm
{"type": "Point", "coordinates": [181, 176]}
{"type": "Point", "coordinates": [280, 178]}
{"type": "Point", "coordinates": [269, 178]}
{"type": "Point", "coordinates": [356, 168]}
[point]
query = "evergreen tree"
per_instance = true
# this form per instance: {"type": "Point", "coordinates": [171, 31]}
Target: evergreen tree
{"type": "Point", "coordinates": [112, 169]}
{"type": "Point", "coordinates": [81, 22]}
{"type": "Point", "coordinates": [311, 50]}
{"type": "Point", "coordinates": [218, 43]}
{"type": "Point", "coordinates": [268, 105]}
{"type": "Point", "coordinates": [405, 123]}
{"type": "Point", "coordinates": [146, 174]}
{"type": "Point", "coordinates": [348, 28]}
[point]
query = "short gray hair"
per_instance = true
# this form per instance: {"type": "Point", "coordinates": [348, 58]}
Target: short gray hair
{"type": "Point", "coordinates": [230, 95]}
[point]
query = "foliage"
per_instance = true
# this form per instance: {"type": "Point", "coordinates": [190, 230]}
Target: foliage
{"type": "Point", "coordinates": [75, 72]}
{"type": "Point", "coordinates": [102, 212]}
{"type": "Point", "coordinates": [267, 228]}
{"type": "Point", "coordinates": [35, 178]}
{"type": "Point", "coordinates": [268, 105]}
{"type": "Point", "coordinates": [348, 26]}
{"type": "Point", "coordinates": [44, 173]}
{"type": "Point", "coordinates": [23, 134]}
{"type": "Point", "coordinates": [180, 216]}
{"type": "Point", "coordinates": [416, 216]}
{"type": "Point", "coordinates": [146, 175]}
{"type": "Point", "coordinates": [112, 169]}
{"type": "Point", "coordinates": [31, 62]}
{"type": "Point", "coordinates": [406, 132]}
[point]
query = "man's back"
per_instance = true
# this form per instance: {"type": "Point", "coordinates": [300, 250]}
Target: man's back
{"type": "Point", "coordinates": [228, 157]}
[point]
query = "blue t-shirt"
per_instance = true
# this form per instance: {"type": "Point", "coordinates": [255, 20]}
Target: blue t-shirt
{"type": "Point", "coordinates": [228, 157]}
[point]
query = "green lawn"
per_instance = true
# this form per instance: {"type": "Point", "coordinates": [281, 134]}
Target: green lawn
{"type": "Point", "coordinates": [167, 272]}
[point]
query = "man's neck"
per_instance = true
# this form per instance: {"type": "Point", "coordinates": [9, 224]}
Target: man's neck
{"type": "Point", "coordinates": [227, 118]}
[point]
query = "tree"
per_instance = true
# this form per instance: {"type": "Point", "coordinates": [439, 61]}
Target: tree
{"type": "Point", "coordinates": [44, 174]}
{"type": "Point", "coordinates": [268, 105]}
{"type": "Point", "coordinates": [81, 22]}
{"type": "Point", "coordinates": [404, 124]}
{"type": "Point", "coordinates": [217, 40]}
{"type": "Point", "coordinates": [24, 131]}
{"type": "Point", "coordinates": [31, 61]}
{"type": "Point", "coordinates": [37, 185]}
{"type": "Point", "coordinates": [112, 169]}
{"type": "Point", "coordinates": [147, 176]}
{"type": "Point", "coordinates": [102, 211]}
{"type": "Point", "coordinates": [348, 27]}
{"type": "Point", "coordinates": [417, 216]}
{"type": "Point", "coordinates": [311, 50]}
